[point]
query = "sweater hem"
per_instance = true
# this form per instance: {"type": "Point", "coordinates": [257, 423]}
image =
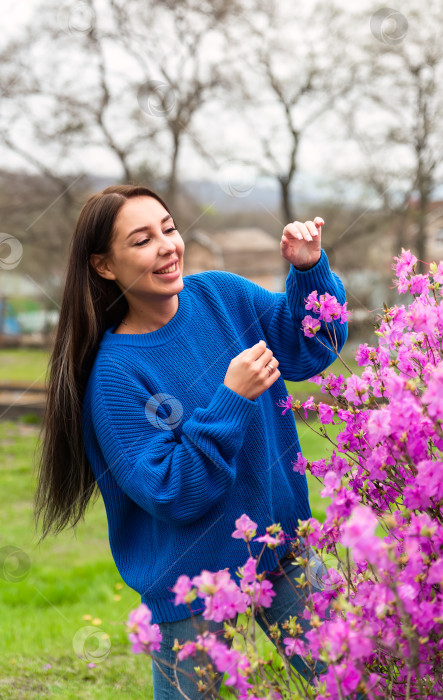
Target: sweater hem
{"type": "Point", "coordinates": [165, 610]}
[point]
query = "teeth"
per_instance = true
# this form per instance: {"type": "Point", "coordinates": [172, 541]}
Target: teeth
{"type": "Point", "coordinates": [168, 269]}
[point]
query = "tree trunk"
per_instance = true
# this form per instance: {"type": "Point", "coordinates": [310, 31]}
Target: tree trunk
{"type": "Point", "coordinates": [172, 180]}
{"type": "Point", "coordinates": [420, 243]}
{"type": "Point", "coordinates": [287, 212]}
{"type": "Point", "coordinates": [2, 318]}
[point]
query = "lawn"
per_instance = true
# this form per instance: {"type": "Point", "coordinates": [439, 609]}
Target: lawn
{"type": "Point", "coordinates": [23, 365]}
{"type": "Point", "coordinates": [50, 595]}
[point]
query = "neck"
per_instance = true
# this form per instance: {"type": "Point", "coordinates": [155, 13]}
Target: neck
{"type": "Point", "coordinates": [146, 320]}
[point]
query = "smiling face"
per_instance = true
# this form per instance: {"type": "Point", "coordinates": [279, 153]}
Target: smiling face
{"type": "Point", "coordinates": [145, 240]}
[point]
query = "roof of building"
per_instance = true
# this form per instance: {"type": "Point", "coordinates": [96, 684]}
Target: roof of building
{"type": "Point", "coordinates": [237, 239]}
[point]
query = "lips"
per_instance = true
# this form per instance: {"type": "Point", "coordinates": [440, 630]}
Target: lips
{"type": "Point", "coordinates": [165, 267]}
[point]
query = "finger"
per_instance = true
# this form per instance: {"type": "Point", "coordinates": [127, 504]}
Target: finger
{"type": "Point", "coordinates": [274, 362]}
{"type": "Point", "coordinates": [313, 230]}
{"type": "Point", "coordinates": [266, 358]}
{"type": "Point", "coordinates": [292, 230]}
{"type": "Point", "coordinates": [273, 376]}
{"type": "Point", "coordinates": [318, 221]}
{"type": "Point", "coordinates": [260, 346]}
{"type": "Point", "coordinates": [258, 350]}
{"type": "Point", "coordinates": [304, 230]}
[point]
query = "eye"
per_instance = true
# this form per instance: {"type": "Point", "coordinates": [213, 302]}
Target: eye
{"type": "Point", "coordinates": [146, 240]}
{"type": "Point", "coordinates": [170, 230]}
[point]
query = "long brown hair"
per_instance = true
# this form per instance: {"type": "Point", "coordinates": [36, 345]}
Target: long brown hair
{"type": "Point", "coordinates": [90, 305]}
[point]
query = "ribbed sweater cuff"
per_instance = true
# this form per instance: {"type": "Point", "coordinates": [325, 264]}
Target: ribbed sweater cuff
{"type": "Point", "coordinates": [318, 277]}
{"type": "Point", "coordinates": [226, 403]}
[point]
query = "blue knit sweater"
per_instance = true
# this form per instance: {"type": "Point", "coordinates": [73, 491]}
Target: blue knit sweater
{"type": "Point", "coordinates": [177, 455]}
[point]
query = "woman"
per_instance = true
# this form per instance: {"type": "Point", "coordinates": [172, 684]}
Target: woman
{"type": "Point", "coordinates": [163, 393]}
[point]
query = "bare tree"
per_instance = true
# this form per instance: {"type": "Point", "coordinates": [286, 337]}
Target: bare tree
{"type": "Point", "coordinates": [290, 72]}
{"type": "Point", "coordinates": [127, 78]}
{"type": "Point", "coordinates": [395, 112]}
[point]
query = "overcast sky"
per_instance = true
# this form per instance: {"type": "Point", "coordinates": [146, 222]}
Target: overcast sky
{"type": "Point", "coordinates": [318, 151]}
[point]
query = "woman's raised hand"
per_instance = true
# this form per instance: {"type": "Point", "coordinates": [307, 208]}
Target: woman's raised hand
{"type": "Point", "coordinates": [301, 243]}
{"type": "Point", "coordinates": [248, 374]}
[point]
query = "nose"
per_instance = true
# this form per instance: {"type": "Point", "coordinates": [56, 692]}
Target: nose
{"type": "Point", "coordinates": [166, 245]}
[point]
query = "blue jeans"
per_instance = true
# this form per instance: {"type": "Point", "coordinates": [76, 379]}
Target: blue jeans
{"type": "Point", "coordinates": [285, 603]}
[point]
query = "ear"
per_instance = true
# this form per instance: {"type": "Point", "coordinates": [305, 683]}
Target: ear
{"type": "Point", "coordinates": [101, 266]}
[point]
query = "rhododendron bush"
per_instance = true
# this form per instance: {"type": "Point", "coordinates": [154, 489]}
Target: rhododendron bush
{"type": "Point", "coordinates": [382, 636]}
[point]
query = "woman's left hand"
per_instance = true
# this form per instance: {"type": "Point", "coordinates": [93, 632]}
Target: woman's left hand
{"type": "Point", "coordinates": [301, 243]}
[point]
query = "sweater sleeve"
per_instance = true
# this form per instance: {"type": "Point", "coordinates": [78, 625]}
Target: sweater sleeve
{"type": "Point", "coordinates": [280, 315]}
{"type": "Point", "coordinates": [174, 480]}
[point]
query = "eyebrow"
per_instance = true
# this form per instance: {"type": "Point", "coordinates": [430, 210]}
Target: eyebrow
{"type": "Point", "coordinates": [148, 228]}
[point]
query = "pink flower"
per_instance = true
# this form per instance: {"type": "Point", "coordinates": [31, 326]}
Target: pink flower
{"type": "Point", "coordinates": [438, 275]}
{"type": "Point", "coordinates": [436, 572]}
{"type": "Point", "coordinates": [249, 571]}
{"type": "Point", "coordinates": [329, 308]}
{"type": "Point", "coordinates": [286, 403]}
{"type": "Point", "coordinates": [332, 482]}
{"type": "Point", "coordinates": [246, 528]}
{"type": "Point", "coordinates": [433, 396]}
{"type": "Point", "coordinates": [310, 326]}
{"type": "Point", "coordinates": [144, 636]}
{"type": "Point", "coordinates": [232, 662]}
{"type": "Point", "coordinates": [272, 542]}
{"type": "Point", "coordinates": [264, 593]}
{"type": "Point", "coordinates": [345, 314]}
{"type": "Point", "coordinates": [294, 646]}
{"type": "Point", "coordinates": [300, 464]}
{"type": "Point", "coordinates": [319, 467]}
{"type": "Point", "coordinates": [317, 379]}
{"type": "Point", "coordinates": [405, 263]}
{"type": "Point", "coordinates": [188, 650]}
{"type": "Point", "coordinates": [358, 533]}
{"type": "Point", "coordinates": [308, 404]}
{"type": "Point", "coordinates": [312, 303]}
{"type": "Point", "coordinates": [356, 390]}
{"type": "Point", "coordinates": [334, 384]}
{"type": "Point", "coordinates": [325, 413]}
{"type": "Point", "coordinates": [418, 284]}
{"type": "Point", "coordinates": [261, 592]}
{"type": "Point", "coordinates": [378, 425]}
{"type": "Point", "coordinates": [362, 354]}
{"type": "Point", "coordinates": [222, 597]}
{"type": "Point", "coordinates": [182, 590]}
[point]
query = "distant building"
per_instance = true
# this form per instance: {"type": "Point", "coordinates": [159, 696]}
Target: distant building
{"type": "Point", "coordinates": [9, 324]}
{"type": "Point", "coordinates": [17, 286]}
{"type": "Point", "coordinates": [249, 252]}
{"type": "Point", "coordinates": [435, 231]}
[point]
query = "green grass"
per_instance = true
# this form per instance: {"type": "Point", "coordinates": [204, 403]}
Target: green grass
{"type": "Point", "coordinates": [65, 578]}
{"type": "Point", "coordinates": [23, 365]}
